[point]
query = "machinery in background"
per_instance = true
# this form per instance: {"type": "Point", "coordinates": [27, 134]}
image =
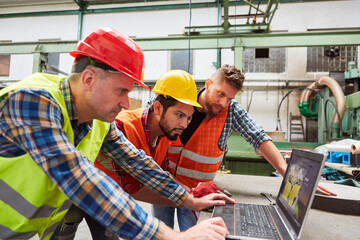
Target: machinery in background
{"type": "Point", "coordinates": [331, 106]}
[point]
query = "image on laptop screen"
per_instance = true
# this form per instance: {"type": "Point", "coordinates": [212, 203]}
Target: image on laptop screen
{"type": "Point", "coordinates": [296, 191]}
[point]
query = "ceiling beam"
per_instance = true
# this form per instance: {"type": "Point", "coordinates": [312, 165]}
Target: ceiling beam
{"type": "Point", "coordinates": [263, 40]}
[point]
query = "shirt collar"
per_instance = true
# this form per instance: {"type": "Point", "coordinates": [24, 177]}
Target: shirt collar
{"type": "Point", "coordinates": [198, 95]}
{"type": "Point", "coordinates": [199, 92]}
{"type": "Point", "coordinates": [68, 98]}
{"type": "Point", "coordinates": [145, 123]}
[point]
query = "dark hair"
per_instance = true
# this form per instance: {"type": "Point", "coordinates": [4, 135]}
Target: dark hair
{"type": "Point", "coordinates": [231, 75]}
{"type": "Point", "coordinates": [82, 61]}
{"type": "Point", "coordinates": [166, 102]}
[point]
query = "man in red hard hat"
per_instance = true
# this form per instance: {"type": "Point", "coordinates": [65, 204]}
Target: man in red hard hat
{"type": "Point", "coordinates": [52, 129]}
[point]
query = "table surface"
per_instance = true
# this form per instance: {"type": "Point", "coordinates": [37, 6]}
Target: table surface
{"type": "Point", "coordinates": [319, 224]}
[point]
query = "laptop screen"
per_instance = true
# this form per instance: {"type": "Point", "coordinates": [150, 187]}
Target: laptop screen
{"type": "Point", "coordinates": [298, 186]}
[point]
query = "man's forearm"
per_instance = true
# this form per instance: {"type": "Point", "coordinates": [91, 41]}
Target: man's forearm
{"type": "Point", "coordinates": [273, 156]}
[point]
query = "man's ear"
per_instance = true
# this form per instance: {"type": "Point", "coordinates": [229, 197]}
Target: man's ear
{"type": "Point", "coordinates": [158, 108]}
{"type": "Point", "coordinates": [88, 78]}
{"type": "Point", "coordinates": [208, 82]}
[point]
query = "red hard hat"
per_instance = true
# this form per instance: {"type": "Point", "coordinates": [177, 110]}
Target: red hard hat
{"type": "Point", "coordinates": [114, 49]}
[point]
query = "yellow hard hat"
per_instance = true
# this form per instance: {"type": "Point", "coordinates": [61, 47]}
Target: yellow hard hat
{"type": "Point", "coordinates": [178, 84]}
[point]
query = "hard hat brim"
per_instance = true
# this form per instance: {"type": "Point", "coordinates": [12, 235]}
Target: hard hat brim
{"type": "Point", "coordinates": [190, 102]}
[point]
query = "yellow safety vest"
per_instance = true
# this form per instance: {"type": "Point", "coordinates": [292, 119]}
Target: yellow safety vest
{"type": "Point", "coordinates": [30, 202]}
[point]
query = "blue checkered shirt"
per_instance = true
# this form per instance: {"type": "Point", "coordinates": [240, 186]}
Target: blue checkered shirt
{"type": "Point", "coordinates": [31, 122]}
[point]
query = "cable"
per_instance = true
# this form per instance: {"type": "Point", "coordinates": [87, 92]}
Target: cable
{"type": "Point", "coordinates": [325, 107]}
{"type": "Point", "coordinates": [278, 124]}
{"type": "Point", "coordinates": [251, 97]}
{"type": "Point", "coordinates": [218, 54]}
{"type": "Point", "coordinates": [337, 112]}
{"type": "Point", "coordinates": [190, 15]}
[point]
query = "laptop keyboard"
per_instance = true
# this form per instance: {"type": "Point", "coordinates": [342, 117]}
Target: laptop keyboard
{"type": "Point", "coordinates": [255, 221]}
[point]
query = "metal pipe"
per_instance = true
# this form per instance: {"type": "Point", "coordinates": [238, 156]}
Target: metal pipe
{"type": "Point", "coordinates": [80, 24]}
{"type": "Point", "coordinates": [272, 14]}
{"type": "Point", "coordinates": [305, 95]}
{"type": "Point", "coordinates": [226, 16]}
{"type": "Point", "coordinates": [338, 95]}
{"type": "Point", "coordinates": [110, 10]}
{"type": "Point", "coordinates": [304, 104]}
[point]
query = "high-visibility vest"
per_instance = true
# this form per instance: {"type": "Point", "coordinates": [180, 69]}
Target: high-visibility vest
{"type": "Point", "coordinates": [135, 133]}
{"type": "Point", "coordinates": [30, 202]}
{"type": "Point", "coordinates": [199, 160]}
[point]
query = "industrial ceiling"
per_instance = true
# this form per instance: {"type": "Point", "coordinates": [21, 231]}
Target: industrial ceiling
{"type": "Point", "coordinates": [75, 3]}
{"type": "Point", "coordinates": [89, 3]}
{"type": "Point", "coordinates": [21, 3]}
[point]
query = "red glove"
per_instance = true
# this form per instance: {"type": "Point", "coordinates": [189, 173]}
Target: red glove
{"type": "Point", "coordinates": [205, 188]}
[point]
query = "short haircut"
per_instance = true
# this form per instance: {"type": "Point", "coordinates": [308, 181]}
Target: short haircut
{"type": "Point", "coordinates": [165, 101]}
{"type": "Point", "coordinates": [231, 75]}
{"type": "Point", "coordinates": [81, 62]}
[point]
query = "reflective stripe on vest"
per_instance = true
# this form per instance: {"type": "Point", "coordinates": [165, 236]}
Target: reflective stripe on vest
{"type": "Point", "coordinates": [7, 233]}
{"type": "Point", "coordinates": [30, 202]}
{"type": "Point", "coordinates": [28, 210]}
{"type": "Point", "coordinates": [194, 156]}
{"type": "Point", "coordinates": [199, 160]}
{"type": "Point", "coordinates": [192, 173]}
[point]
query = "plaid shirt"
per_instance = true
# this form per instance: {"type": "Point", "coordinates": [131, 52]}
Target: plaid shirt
{"type": "Point", "coordinates": [31, 122]}
{"type": "Point", "coordinates": [129, 183]}
{"type": "Point", "coordinates": [239, 120]}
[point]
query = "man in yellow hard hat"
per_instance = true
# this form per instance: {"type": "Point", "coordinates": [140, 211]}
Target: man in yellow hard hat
{"type": "Point", "coordinates": [150, 129]}
{"type": "Point", "coordinates": [158, 124]}
{"type": "Point", "coordinates": [51, 131]}
{"type": "Point", "coordinates": [196, 155]}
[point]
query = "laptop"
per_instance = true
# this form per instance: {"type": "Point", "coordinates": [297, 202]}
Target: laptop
{"type": "Point", "coordinates": [285, 219]}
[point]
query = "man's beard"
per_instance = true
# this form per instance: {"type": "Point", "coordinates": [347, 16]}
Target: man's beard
{"type": "Point", "coordinates": [167, 133]}
{"type": "Point", "coordinates": [209, 108]}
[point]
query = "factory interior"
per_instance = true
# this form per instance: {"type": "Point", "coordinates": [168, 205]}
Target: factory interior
{"type": "Point", "coordinates": [300, 59]}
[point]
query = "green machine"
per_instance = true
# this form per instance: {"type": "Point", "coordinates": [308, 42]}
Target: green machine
{"type": "Point", "coordinates": [332, 111]}
{"type": "Point", "coordinates": [334, 105]}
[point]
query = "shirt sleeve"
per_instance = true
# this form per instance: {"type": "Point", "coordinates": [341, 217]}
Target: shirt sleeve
{"type": "Point", "coordinates": [127, 182]}
{"type": "Point", "coordinates": [33, 121]}
{"type": "Point", "coordinates": [142, 167]}
{"type": "Point", "coordinates": [241, 122]}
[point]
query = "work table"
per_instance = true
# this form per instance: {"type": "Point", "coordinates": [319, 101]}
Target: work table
{"type": "Point", "coordinates": [319, 224]}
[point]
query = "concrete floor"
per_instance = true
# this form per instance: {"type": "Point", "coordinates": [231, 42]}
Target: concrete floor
{"type": "Point", "coordinates": [83, 232]}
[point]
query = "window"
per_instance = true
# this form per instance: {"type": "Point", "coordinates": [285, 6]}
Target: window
{"type": "Point", "coordinates": [269, 60]}
{"type": "Point", "coordinates": [182, 60]}
{"type": "Point", "coordinates": [4, 64]}
{"type": "Point", "coordinates": [332, 58]}
{"type": "Point", "coordinates": [53, 63]}
{"type": "Point", "coordinates": [261, 53]}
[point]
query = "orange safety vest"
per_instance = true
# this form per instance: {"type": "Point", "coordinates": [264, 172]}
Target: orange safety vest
{"type": "Point", "coordinates": [199, 160]}
{"type": "Point", "coordinates": [135, 132]}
